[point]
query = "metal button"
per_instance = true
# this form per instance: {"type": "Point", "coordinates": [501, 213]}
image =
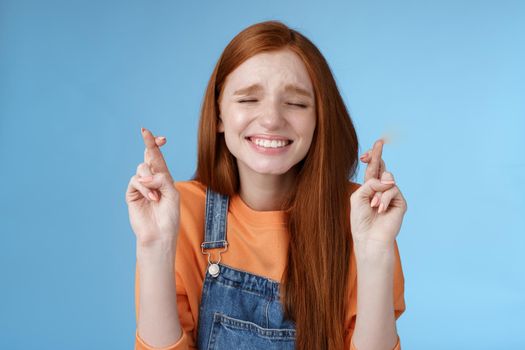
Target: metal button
{"type": "Point", "coordinates": [214, 270]}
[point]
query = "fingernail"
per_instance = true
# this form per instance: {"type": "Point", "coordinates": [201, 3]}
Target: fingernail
{"type": "Point", "coordinates": [387, 182]}
{"type": "Point", "coordinates": [146, 178]}
{"type": "Point", "coordinates": [152, 196]}
{"type": "Point", "coordinates": [162, 138]}
{"type": "Point", "coordinates": [142, 130]}
{"type": "Point", "coordinates": [374, 202]}
{"type": "Point", "coordinates": [381, 208]}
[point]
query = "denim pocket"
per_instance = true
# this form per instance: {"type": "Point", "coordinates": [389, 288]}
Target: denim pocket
{"type": "Point", "coordinates": [232, 333]}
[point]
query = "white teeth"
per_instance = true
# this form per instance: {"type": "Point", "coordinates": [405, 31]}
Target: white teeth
{"type": "Point", "coordinates": [270, 143]}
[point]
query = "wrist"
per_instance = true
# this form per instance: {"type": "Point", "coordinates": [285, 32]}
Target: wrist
{"type": "Point", "coordinates": [374, 254]}
{"type": "Point", "coordinates": [156, 252]}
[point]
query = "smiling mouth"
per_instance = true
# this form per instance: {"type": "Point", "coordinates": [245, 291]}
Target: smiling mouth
{"type": "Point", "coordinates": [267, 143]}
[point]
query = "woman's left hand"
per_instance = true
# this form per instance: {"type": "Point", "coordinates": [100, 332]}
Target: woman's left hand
{"type": "Point", "coordinates": [378, 191]}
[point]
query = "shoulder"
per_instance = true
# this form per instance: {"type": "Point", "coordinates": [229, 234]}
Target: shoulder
{"type": "Point", "coordinates": [192, 196]}
{"type": "Point", "coordinates": [190, 189]}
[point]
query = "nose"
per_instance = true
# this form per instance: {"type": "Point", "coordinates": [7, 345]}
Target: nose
{"type": "Point", "coordinates": [271, 116]}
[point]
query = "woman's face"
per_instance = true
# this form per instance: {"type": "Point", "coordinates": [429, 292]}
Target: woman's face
{"type": "Point", "coordinates": [267, 113]}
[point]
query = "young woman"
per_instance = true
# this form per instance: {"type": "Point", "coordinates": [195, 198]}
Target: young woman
{"type": "Point", "coordinates": [269, 246]}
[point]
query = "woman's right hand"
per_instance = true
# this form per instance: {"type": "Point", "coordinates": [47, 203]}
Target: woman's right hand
{"type": "Point", "coordinates": [152, 199]}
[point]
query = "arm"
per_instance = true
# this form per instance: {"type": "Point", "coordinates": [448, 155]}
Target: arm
{"type": "Point", "coordinates": [376, 322]}
{"type": "Point", "coordinates": [158, 324]}
{"type": "Point", "coordinates": [377, 259]}
{"type": "Point", "coordinates": [154, 214]}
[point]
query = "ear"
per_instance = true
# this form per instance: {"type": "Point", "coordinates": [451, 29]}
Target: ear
{"type": "Point", "coordinates": [220, 127]}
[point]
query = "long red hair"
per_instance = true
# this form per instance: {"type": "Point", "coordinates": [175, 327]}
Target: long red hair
{"type": "Point", "coordinates": [314, 286]}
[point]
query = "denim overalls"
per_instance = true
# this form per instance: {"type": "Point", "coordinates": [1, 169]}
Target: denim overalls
{"type": "Point", "coordinates": [238, 310]}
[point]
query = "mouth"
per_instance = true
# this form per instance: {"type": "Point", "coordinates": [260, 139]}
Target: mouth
{"type": "Point", "coordinates": [269, 143]}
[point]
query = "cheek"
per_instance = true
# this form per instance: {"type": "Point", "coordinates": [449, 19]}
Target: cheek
{"type": "Point", "coordinates": [305, 125]}
{"type": "Point", "coordinates": [234, 129]}
{"type": "Point", "coordinates": [235, 121]}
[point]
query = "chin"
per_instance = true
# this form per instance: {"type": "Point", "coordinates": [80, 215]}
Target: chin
{"type": "Point", "coordinates": [270, 170]}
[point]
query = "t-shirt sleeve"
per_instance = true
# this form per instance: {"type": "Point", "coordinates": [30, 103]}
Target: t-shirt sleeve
{"type": "Point", "coordinates": [186, 342]}
{"type": "Point", "coordinates": [399, 284]}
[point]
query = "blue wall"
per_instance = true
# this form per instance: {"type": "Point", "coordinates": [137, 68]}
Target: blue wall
{"type": "Point", "coordinates": [79, 78]}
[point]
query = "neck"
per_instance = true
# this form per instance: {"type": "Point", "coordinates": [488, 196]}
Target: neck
{"type": "Point", "coordinates": [264, 192]}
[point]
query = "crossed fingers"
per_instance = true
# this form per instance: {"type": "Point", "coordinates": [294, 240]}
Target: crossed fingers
{"type": "Point", "coordinates": [376, 168]}
{"type": "Point", "coordinates": [152, 154]}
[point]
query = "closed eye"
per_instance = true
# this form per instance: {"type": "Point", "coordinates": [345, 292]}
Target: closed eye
{"type": "Point", "coordinates": [297, 104]}
{"type": "Point", "coordinates": [300, 105]}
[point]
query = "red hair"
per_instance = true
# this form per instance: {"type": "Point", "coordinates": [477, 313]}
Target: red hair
{"type": "Point", "coordinates": [314, 288]}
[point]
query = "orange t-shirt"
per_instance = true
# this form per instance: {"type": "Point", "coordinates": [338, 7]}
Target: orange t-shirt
{"type": "Point", "coordinates": [257, 243]}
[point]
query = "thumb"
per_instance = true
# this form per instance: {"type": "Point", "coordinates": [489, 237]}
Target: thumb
{"type": "Point", "coordinates": [160, 181]}
{"type": "Point", "coordinates": [373, 185]}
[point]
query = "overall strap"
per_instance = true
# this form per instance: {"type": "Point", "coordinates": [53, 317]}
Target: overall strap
{"type": "Point", "coordinates": [216, 215]}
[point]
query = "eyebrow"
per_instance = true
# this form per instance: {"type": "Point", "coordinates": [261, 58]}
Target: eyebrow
{"type": "Point", "coordinates": [248, 90]}
{"type": "Point", "coordinates": [288, 88]}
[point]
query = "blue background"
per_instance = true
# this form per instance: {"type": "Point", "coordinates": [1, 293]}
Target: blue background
{"type": "Point", "coordinates": [79, 78]}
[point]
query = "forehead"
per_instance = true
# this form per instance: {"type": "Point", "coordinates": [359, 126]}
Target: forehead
{"type": "Point", "coordinates": [274, 69]}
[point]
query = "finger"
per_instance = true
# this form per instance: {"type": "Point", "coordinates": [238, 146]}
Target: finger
{"type": "Point", "coordinates": [143, 170]}
{"type": "Point", "coordinates": [376, 200]}
{"type": "Point", "coordinates": [382, 167]}
{"type": "Point", "coordinates": [377, 196]}
{"type": "Point", "coordinates": [161, 184]}
{"type": "Point", "coordinates": [386, 199]}
{"type": "Point", "coordinates": [160, 141]}
{"type": "Point", "coordinates": [154, 155]}
{"type": "Point", "coordinates": [137, 190]}
{"type": "Point", "coordinates": [367, 190]}
{"type": "Point", "coordinates": [145, 174]}
{"type": "Point", "coordinates": [147, 157]}
{"type": "Point", "coordinates": [386, 178]}
{"type": "Point", "coordinates": [375, 161]}
{"type": "Point", "coordinates": [372, 170]}
{"type": "Point", "coordinates": [391, 199]}
{"type": "Point", "coordinates": [365, 157]}
{"type": "Point", "coordinates": [375, 168]}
